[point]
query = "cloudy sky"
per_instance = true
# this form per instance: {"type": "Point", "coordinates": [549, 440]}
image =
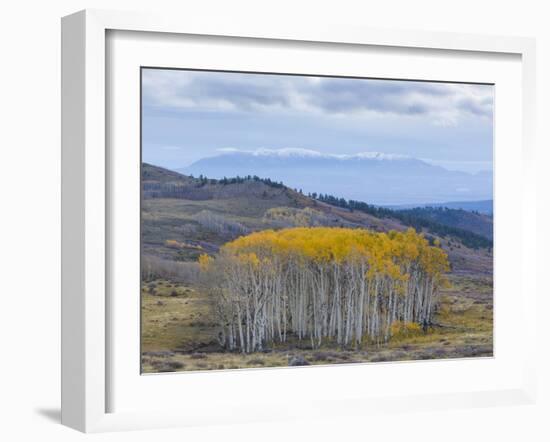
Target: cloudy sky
{"type": "Point", "coordinates": [188, 115]}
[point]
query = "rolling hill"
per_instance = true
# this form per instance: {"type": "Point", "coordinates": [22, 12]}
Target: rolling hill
{"type": "Point", "coordinates": [183, 216]}
{"type": "Point", "coordinates": [477, 223]}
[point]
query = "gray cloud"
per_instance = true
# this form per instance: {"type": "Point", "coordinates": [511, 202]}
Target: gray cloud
{"type": "Point", "coordinates": [195, 90]}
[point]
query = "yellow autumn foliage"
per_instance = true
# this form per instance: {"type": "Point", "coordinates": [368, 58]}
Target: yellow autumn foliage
{"type": "Point", "coordinates": [324, 283]}
{"type": "Point", "coordinates": [405, 329]}
{"type": "Point", "coordinates": [386, 253]}
{"type": "Point", "coordinates": [204, 262]}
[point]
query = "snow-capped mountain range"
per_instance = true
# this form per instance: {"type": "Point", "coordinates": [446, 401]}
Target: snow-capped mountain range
{"type": "Point", "coordinates": [308, 153]}
{"type": "Point", "coordinates": [373, 177]}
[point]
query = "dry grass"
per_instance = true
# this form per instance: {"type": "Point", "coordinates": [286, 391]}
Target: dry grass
{"type": "Point", "coordinates": [178, 334]}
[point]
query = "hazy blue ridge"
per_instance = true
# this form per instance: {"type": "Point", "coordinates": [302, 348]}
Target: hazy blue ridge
{"type": "Point", "coordinates": [380, 180]}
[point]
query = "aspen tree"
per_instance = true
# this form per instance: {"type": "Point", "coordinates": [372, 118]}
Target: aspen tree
{"type": "Point", "coordinates": [319, 283]}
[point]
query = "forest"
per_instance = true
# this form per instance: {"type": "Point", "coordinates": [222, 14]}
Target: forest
{"type": "Point", "coordinates": [322, 284]}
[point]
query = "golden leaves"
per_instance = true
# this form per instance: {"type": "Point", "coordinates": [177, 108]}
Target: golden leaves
{"type": "Point", "coordinates": [321, 282]}
{"type": "Point", "coordinates": [389, 253]}
{"type": "Point", "coordinates": [204, 262]}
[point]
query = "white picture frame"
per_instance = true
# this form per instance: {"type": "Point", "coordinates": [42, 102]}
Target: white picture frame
{"type": "Point", "coordinates": [87, 205]}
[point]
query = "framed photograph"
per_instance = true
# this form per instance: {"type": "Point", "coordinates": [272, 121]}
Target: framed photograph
{"type": "Point", "coordinates": [271, 256]}
{"type": "Point", "coordinates": [253, 214]}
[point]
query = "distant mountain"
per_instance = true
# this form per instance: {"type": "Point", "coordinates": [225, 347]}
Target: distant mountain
{"type": "Point", "coordinates": [376, 178]}
{"type": "Point", "coordinates": [483, 206]}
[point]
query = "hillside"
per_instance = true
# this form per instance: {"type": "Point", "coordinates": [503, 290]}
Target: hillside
{"type": "Point", "coordinates": [458, 218]}
{"type": "Point", "coordinates": [183, 216]}
{"type": "Point", "coordinates": [420, 222]}
{"type": "Point", "coordinates": [482, 206]}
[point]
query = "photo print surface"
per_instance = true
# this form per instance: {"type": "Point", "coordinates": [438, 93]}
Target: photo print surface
{"type": "Point", "coordinates": [293, 220]}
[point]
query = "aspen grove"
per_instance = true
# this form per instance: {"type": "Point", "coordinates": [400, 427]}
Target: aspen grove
{"type": "Point", "coordinates": [322, 284]}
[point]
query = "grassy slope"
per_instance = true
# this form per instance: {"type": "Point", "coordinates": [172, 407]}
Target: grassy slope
{"type": "Point", "coordinates": [178, 333]}
{"type": "Point", "coordinates": [165, 219]}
